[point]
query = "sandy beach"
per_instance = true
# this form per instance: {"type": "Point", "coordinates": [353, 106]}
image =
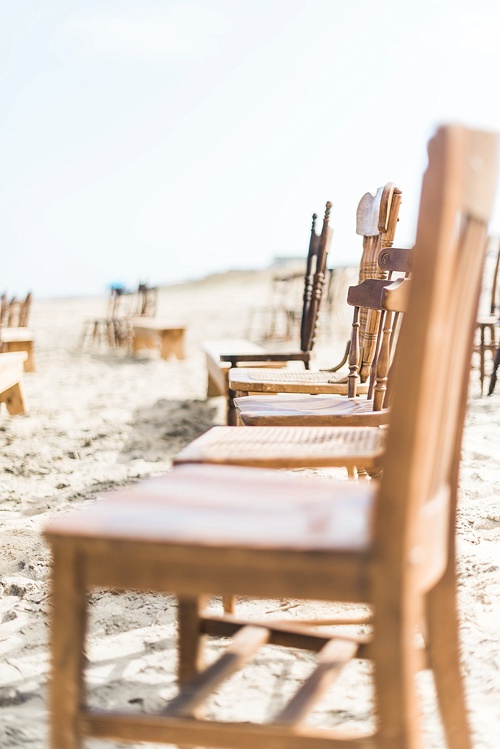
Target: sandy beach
{"type": "Point", "coordinates": [99, 419]}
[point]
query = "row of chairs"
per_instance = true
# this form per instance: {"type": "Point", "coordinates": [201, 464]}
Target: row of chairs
{"type": "Point", "coordinates": [115, 328]}
{"type": "Point", "coordinates": [131, 324]}
{"type": "Point", "coordinates": [388, 543]}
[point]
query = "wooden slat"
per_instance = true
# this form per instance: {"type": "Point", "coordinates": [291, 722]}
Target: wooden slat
{"type": "Point", "coordinates": [245, 643]}
{"type": "Point", "coordinates": [15, 335]}
{"type": "Point", "coordinates": [331, 660]}
{"type": "Point", "coordinates": [187, 731]}
{"type": "Point", "coordinates": [290, 634]}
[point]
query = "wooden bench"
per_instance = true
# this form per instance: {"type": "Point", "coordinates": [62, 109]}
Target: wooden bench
{"type": "Point", "coordinates": [218, 369]}
{"type": "Point", "coordinates": [19, 339]}
{"type": "Point", "coordinates": [158, 334]}
{"type": "Point", "coordinates": [14, 332]}
{"type": "Point", "coordinates": [11, 381]}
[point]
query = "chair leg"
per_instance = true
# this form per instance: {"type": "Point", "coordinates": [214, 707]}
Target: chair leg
{"type": "Point", "coordinates": [442, 622]}
{"type": "Point", "coordinates": [229, 604]}
{"type": "Point", "coordinates": [191, 640]}
{"type": "Point", "coordinates": [231, 416]}
{"type": "Point", "coordinates": [395, 667]}
{"type": "Point", "coordinates": [66, 691]}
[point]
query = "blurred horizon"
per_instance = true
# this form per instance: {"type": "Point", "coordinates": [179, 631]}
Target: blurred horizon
{"type": "Point", "coordinates": [167, 141]}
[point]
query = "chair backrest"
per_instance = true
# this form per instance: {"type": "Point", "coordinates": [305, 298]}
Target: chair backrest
{"type": "Point", "coordinates": [314, 282]}
{"type": "Point", "coordinates": [415, 509]}
{"type": "Point", "coordinates": [387, 298]}
{"type": "Point", "coordinates": [15, 314]}
{"type": "Point", "coordinates": [115, 301]}
{"type": "Point", "coordinates": [376, 220]}
{"type": "Point", "coordinates": [146, 301]}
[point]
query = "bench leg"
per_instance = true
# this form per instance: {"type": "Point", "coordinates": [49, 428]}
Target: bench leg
{"type": "Point", "coordinates": [172, 342]}
{"type": "Point", "coordinates": [14, 399]}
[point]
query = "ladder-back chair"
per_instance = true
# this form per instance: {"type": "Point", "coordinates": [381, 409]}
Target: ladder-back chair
{"type": "Point", "coordinates": [223, 356]}
{"type": "Point", "coordinates": [323, 407]}
{"type": "Point", "coordinates": [319, 446]}
{"type": "Point", "coordinates": [205, 529]}
{"type": "Point", "coordinates": [376, 220]}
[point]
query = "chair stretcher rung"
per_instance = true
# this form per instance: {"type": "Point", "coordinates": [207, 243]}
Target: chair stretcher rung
{"type": "Point", "coordinates": [331, 660]}
{"type": "Point", "coordinates": [244, 644]}
{"type": "Point", "coordinates": [214, 733]}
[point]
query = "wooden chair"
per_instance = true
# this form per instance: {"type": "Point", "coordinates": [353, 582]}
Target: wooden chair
{"type": "Point", "coordinates": [317, 446]}
{"type": "Point", "coordinates": [386, 299]}
{"type": "Point", "coordinates": [270, 534]}
{"type": "Point", "coordinates": [113, 330]}
{"type": "Point", "coordinates": [14, 332]}
{"type": "Point", "coordinates": [487, 326]}
{"type": "Point", "coordinates": [280, 318]}
{"type": "Point", "coordinates": [222, 356]}
{"type": "Point", "coordinates": [146, 302]}
{"type": "Point", "coordinates": [376, 220]}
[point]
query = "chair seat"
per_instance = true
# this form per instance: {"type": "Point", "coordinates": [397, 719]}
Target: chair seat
{"type": "Point", "coordinates": [487, 320]}
{"type": "Point", "coordinates": [199, 504]}
{"type": "Point", "coordinates": [14, 335]}
{"type": "Point", "coordinates": [308, 410]}
{"type": "Point", "coordinates": [283, 381]}
{"type": "Point", "coordinates": [286, 447]}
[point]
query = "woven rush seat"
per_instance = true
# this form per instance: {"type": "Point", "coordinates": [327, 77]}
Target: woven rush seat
{"type": "Point", "coordinates": [286, 447]}
{"type": "Point", "coordinates": [302, 382]}
{"type": "Point", "coordinates": [291, 376]}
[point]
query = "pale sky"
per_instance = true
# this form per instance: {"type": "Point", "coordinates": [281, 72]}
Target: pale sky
{"type": "Point", "coordinates": [163, 140]}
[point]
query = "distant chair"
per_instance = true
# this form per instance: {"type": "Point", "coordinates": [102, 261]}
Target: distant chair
{"type": "Point", "coordinates": [146, 303]}
{"type": "Point", "coordinates": [280, 319]}
{"type": "Point", "coordinates": [115, 329]}
{"type": "Point", "coordinates": [487, 326]}
{"type": "Point", "coordinates": [14, 332]}
{"type": "Point", "coordinates": [225, 355]}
